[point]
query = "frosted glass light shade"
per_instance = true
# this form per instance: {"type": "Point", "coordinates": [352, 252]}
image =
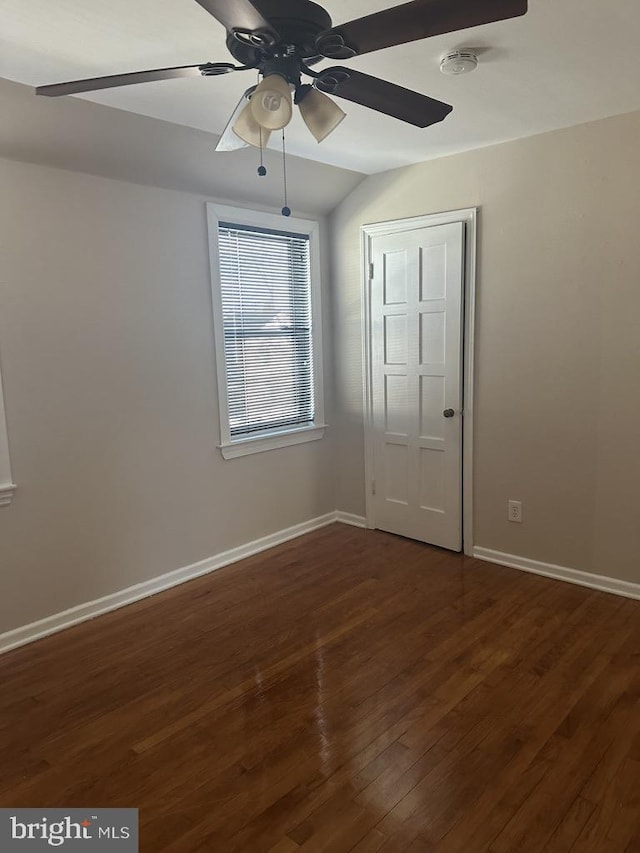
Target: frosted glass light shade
{"type": "Point", "coordinates": [248, 129]}
{"type": "Point", "coordinates": [229, 140]}
{"type": "Point", "coordinates": [320, 114]}
{"type": "Point", "coordinates": [271, 103]}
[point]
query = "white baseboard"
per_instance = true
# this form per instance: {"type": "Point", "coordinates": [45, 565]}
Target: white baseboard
{"type": "Point", "coordinates": [350, 518]}
{"type": "Point", "coordinates": [75, 615]}
{"type": "Point", "coordinates": [83, 612]}
{"type": "Point", "coordinates": [601, 582]}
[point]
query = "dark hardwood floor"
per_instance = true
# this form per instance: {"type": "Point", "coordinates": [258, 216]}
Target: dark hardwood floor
{"type": "Point", "coordinates": [347, 691]}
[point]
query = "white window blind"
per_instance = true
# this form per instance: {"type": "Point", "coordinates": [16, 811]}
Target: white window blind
{"type": "Point", "coordinates": [265, 285]}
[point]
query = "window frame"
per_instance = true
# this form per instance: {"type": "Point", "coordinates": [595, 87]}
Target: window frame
{"type": "Point", "coordinates": [7, 486]}
{"type": "Point", "coordinates": [286, 436]}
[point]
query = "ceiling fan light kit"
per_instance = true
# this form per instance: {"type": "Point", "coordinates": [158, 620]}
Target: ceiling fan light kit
{"type": "Point", "coordinates": [271, 102]}
{"type": "Point", "coordinates": [247, 128]}
{"type": "Point", "coordinates": [230, 141]}
{"type": "Point", "coordinates": [320, 113]}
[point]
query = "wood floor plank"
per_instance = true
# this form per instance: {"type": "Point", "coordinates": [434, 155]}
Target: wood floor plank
{"type": "Point", "coordinates": [285, 846]}
{"type": "Point", "coordinates": [347, 692]}
{"type": "Point", "coordinates": [570, 826]}
{"type": "Point", "coordinates": [371, 843]}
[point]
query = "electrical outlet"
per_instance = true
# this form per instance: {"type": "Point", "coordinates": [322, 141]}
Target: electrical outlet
{"type": "Point", "coordinates": [514, 512]}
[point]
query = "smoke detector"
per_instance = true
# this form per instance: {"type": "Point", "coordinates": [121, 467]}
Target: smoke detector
{"type": "Point", "coordinates": [459, 62]}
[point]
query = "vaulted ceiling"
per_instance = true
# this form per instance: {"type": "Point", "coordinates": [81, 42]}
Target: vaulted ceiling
{"type": "Point", "coordinates": [564, 63]}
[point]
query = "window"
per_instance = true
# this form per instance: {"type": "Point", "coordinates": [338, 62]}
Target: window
{"type": "Point", "coordinates": [266, 312]}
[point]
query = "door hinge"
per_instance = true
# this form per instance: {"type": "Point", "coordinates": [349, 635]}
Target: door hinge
{"type": "Point", "coordinates": [370, 270]}
{"type": "Point", "coordinates": [373, 487]}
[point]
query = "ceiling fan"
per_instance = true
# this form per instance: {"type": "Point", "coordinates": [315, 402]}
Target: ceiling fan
{"type": "Point", "coordinates": [282, 39]}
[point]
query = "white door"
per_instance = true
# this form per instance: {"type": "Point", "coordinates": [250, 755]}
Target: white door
{"type": "Point", "coordinates": [416, 350]}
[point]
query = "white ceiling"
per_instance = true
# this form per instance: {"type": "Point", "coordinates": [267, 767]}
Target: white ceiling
{"type": "Point", "coordinates": [564, 63]}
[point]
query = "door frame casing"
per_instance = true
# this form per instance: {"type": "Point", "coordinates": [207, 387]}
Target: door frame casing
{"type": "Point", "coordinates": [469, 217]}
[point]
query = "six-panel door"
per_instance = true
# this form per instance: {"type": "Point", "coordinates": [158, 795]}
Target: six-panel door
{"type": "Point", "coordinates": [417, 328]}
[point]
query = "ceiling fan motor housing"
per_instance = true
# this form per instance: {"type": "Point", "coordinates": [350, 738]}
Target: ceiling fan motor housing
{"type": "Point", "coordinates": [299, 23]}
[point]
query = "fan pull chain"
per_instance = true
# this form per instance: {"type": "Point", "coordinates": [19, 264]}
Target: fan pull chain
{"type": "Point", "coordinates": [262, 169]}
{"type": "Point", "coordinates": [286, 210]}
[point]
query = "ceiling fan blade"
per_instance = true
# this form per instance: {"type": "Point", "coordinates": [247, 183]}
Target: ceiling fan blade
{"type": "Point", "coordinates": [229, 141]}
{"type": "Point", "coordinates": [207, 69]}
{"type": "Point", "coordinates": [412, 22]}
{"type": "Point", "coordinates": [382, 96]}
{"type": "Point", "coordinates": [241, 16]}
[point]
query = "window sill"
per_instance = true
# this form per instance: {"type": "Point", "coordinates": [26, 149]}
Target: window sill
{"type": "Point", "coordinates": [6, 494]}
{"type": "Point", "coordinates": [258, 444]}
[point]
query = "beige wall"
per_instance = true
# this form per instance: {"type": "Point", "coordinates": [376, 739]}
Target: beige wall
{"type": "Point", "coordinates": [110, 386]}
{"type": "Point", "coordinates": [557, 337]}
